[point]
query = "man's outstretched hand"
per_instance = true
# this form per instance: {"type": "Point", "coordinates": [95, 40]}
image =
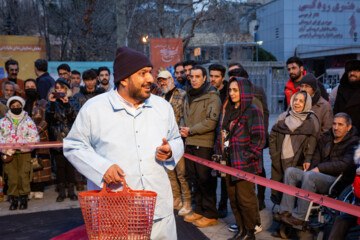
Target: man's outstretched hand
{"type": "Point", "coordinates": [113, 174]}
{"type": "Point", "coordinates": [164, 151]}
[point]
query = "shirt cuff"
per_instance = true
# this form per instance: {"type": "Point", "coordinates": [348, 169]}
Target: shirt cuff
{"type": "Point", "coordinates": [169, 163]}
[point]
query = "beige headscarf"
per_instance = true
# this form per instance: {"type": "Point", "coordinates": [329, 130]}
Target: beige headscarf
{"type": "Point", "coordinates": [293, 121]}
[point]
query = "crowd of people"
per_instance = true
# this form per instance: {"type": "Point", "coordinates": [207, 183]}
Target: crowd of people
{"type": "Point", "coordinates": [222, 120]}
{"type": "Point", "coordinates": [43, 109]}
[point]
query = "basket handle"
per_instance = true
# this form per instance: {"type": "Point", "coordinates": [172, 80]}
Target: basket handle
{"type": "Point", "coordinates": [106, 188]}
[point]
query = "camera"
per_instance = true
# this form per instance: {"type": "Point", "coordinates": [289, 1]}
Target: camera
{"type": "Point", "coordinates": [58, 94]}
{"type": "Point", "coordinates": [218, 159]}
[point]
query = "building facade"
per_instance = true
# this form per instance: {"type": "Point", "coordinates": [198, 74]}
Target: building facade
{"type": "Point", "coordinates": [325, 33]}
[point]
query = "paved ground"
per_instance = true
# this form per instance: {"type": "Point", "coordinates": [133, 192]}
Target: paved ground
{"type": "Point", "coordinates": [218, 232]}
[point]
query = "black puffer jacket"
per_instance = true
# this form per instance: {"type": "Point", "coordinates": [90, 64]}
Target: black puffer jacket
{"type": "Point", "coordinates": [335, 158]}
{"type": "Point", "coordinates": [61, 117]}
{"type": "Point", "coordinates": [83, 95]}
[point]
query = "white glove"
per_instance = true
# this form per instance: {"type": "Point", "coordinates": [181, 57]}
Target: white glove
{"type": "Point", "coordinates": [9, 152]}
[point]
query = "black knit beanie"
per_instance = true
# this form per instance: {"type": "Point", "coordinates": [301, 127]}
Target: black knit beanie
{"type": "Point", "coordinates": [310, 80]}
{"type": "Point", "coordinates": [352, 65]}
{"type": "Point", "coordinates": [62, 81]}
{"type": "Point", "coordinates": [127, 62]}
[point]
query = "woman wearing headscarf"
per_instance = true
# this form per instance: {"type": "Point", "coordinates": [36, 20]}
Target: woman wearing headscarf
{"type": "Point", "coordinates": [241, 136]}
{"type": "Point", "coordinates": [36, 108]}
{"type": "Point", "coordinates": [61, 112]}
{"type": "Point", "coordinates": [17, 127]}
{"type": "Point", "coordinates": [293, 139]}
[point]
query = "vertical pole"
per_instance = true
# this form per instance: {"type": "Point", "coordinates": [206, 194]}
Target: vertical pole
{"type": "Point", "coordinates": [257, 53]}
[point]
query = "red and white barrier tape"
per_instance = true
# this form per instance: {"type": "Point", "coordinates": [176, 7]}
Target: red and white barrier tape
{"type": "Point", "coordinates": [297, 192]}
{"type": "Point", "coordinates": [31, 145]}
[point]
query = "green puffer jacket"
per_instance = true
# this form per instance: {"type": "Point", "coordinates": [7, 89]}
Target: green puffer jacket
{"type": "Point", "coordinates": [201, 117]}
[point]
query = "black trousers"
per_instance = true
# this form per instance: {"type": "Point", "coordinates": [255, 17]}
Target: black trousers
{"type": "Point", "coordinates": [37, 187]}
{"type": "Point", "coordinates": [65, 172]}
{"type": "Point", "coordinates": [342, 226]}
{"type": "Point", "coordinates": [203, 182]}
{"type": "Point", "coordinates": [260, 188]}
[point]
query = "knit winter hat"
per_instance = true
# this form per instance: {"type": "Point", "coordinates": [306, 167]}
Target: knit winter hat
{"type": "Point", "coordinates": [15, 98]}
{"type": "Point", "coordinates": [127, 62]}
{"type": "Point", "coordinates": [310, 80]}
{"type": "Point", "coordinates": [62, 81]}
{"type": "Point", "coordinates": [352, 65]}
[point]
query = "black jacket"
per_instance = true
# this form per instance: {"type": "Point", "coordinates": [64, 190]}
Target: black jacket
{"type": "Point", "coordinates": [83, 95]}
{"type": "Point", "coordinates": [61, 117]}
{"type": "Point", "coordinates": [335, 158]}
{"type": "Point", "coordinates": [43, 85]}
{"type": "Point", "coordinates": [348, 100]}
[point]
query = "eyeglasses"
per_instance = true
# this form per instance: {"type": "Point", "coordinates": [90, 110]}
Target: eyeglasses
{"type": "Point", "coordinates": [162, 80]}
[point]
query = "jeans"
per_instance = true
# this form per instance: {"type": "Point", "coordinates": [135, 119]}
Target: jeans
{"type": "Point", "coordinates": [178, 175]}
{"type": "Point", "coordinates": [310, 181]}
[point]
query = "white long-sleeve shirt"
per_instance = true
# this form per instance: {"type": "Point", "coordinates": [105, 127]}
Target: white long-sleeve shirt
{"type": "Point", "coordinates": [108, 131]}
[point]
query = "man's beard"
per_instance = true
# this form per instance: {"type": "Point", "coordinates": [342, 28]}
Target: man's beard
{"type": "Point", "coordinates": [135, 93]}
{"type": "Point", "coordinates": [296, 76]}
{"type": "Point", "coordinates": [167, 89]}
{"type": "Point", "coordinates": [105, 81]}
{"type": "Point", "coordinates": [181, 80]}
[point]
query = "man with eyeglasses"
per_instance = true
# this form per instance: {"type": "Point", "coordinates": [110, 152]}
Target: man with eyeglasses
{"type": "Point", "coordinates": [64, 71]}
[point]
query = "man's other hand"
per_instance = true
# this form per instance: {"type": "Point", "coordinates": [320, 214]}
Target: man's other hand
{"type": "Point", "coordinates": [113, 174]}
{"type": "Point", "coordinates": [164, 151]}
{"type": "Point", "coordinates": [184, 131]}
{"type": "Point", "coordinates": [306, 166]}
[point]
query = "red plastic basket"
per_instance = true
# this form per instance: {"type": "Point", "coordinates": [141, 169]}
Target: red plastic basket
{"type": "Point", "coordinates": [125, 214]}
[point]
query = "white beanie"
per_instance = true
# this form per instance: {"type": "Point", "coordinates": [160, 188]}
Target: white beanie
{"type": "Point", "coordinates": [17, 98]}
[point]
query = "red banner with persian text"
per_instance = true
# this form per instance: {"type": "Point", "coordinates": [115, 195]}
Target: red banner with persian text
{"type": "Point", "coordinates": [165, 52]}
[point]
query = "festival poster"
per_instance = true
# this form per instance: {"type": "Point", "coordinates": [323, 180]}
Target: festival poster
{"type": "Point", "coordinates": [24, 49]}
{"type": "Point", "coordinates": [165, 53]}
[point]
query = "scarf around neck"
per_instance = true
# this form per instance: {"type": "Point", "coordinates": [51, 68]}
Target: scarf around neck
{"type": "Point", "coordinates": [293, 120]}
{"type": "Point", "coordinates": [194, 93]}
{"type": "Point", "coordinates": [16, 117]}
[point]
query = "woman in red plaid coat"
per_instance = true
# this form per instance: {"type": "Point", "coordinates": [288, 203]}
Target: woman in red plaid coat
{"type": "Point", "coordinates": [241, 136]}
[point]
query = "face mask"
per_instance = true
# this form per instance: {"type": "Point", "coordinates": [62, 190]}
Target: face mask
{"type": "Point", "coordinates": [31, 93]}
{"type": "Point", "coordinates": [16, 111]}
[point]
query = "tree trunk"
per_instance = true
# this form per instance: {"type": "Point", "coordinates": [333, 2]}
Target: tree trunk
{"type": "Point", "coordinates": [121, 39]}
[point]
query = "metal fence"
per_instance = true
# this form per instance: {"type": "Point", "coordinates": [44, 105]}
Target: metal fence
{"type": "Point", "coordinates": [272, 76]}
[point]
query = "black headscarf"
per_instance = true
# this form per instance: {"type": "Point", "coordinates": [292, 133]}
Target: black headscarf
{"type": "Point", "coordinates": [31, 95]}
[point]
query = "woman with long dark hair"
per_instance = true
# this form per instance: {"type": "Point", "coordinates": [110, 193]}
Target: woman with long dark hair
{"type": "Point", "coordinates": [241, 136]}
{"type": "Point", "coordinates": [60, 114]}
